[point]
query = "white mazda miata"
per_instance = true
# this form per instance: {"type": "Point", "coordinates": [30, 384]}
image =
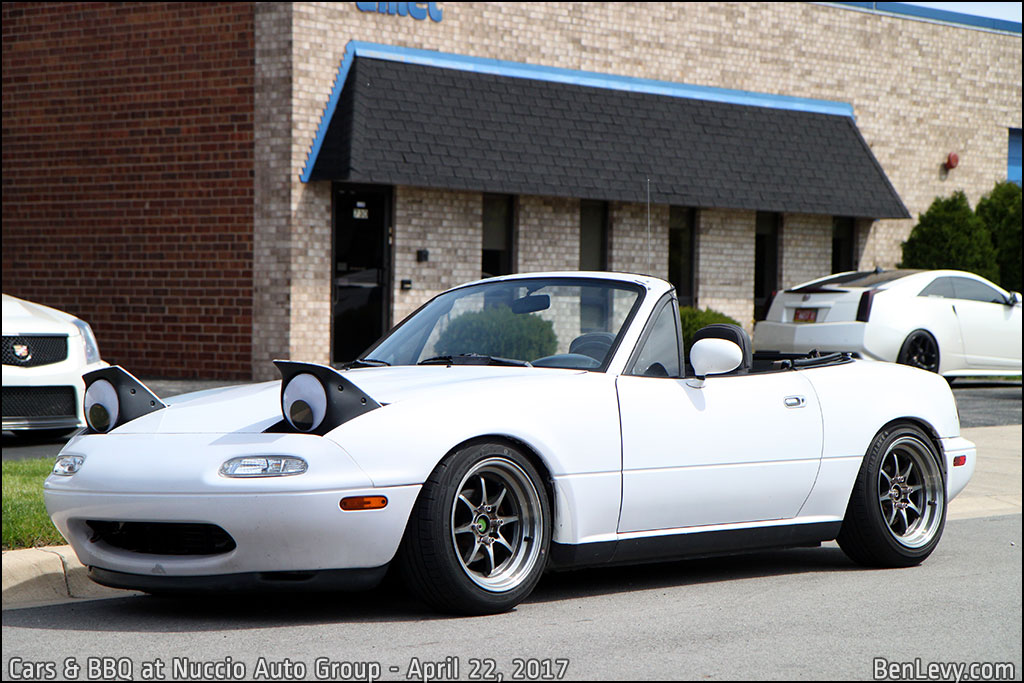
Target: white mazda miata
{"type": "Point", "coordinates": [509, 426]}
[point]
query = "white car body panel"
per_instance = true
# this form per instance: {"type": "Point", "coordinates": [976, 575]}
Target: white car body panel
{"type": "Point", "coordinates": [974, 338]}
{"type": "Point", "coordinates": [626, 458]}
{"type": "Point", "coordinates": [24, 318]}
{"type": "Point", "coordinates": [680, 482]}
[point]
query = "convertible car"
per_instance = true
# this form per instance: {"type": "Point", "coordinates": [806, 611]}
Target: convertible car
{"type": "Point", "coordinates": [509, 426]}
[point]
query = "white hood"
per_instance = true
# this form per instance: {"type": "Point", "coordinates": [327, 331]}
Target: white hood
{"type": "Point", "coordinates": [255, 407]}
{"type": "Point", "coordinates": [25, 317]}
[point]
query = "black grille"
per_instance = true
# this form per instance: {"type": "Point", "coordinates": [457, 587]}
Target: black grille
{"type": "Point", "coordinates": [163, 538]}
{"type": "Point", "coordinates": [39, 402]}
{"type": "Point", "coordinates": [33, 351]}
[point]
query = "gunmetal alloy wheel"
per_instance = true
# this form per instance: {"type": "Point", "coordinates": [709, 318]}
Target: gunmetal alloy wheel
{"type": "Point", "coordinates": [897, 509]}
{"type": "Point", "coordinates": [910, 492]}
{"type": "Point", "coordinates": [477, 540]}
{"type": "Point", "coordinates": [497, 524]}
{"type": "Point", "coordinates": [921, 351]}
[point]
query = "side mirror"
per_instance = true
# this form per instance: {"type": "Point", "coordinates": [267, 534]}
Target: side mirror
{"type": "Point", "coordinates": [1013, 299]}
{"type": "Point", "coordinates": [713, 357]}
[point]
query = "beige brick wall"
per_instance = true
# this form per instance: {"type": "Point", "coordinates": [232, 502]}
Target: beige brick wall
{"type": "Point", "coordinates": [272, 212]}
{"type": "Point", "coordinates": [631, 249]}
{"type": "Point", "coordinates": [449, 225]}
{"type": "Point", "coordinates": [919, 90]}
{"type": "Point", "coordinates": [805, 247]}
{"type": "Point", "coordinates": [725, 263]}
{"type": "Point", "coordinates": [549, 234]}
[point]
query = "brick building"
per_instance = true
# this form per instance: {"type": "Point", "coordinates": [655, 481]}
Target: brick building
{"type": "Point", "coordinates": [216, 185]}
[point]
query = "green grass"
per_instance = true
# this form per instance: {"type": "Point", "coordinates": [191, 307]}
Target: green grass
{"type": "Point", "coordinates": [25, 522]}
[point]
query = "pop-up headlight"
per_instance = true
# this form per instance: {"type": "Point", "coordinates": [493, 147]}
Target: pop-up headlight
{"type": "Point", "coordinates": [263, 466]}
{"type": "Point", "coordinates": [113, 397]}
{"type": "Point", "coordinates": [316, 398]}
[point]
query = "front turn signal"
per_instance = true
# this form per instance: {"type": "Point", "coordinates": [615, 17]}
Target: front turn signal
{"type": "Point", "coordinates": [363, 503]}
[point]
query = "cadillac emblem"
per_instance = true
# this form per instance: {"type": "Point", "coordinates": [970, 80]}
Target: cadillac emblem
{"type": "Point", "coordinates": [22, 353]}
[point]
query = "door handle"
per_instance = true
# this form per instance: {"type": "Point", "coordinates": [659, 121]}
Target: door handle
{"type": "Point", "coordinates": [795, 401]}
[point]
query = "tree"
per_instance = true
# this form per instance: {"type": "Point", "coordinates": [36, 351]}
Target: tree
{"type": "Point", "coordinates": [1000, 211]}
{"type": "Point", "coordinates": [950, 235]}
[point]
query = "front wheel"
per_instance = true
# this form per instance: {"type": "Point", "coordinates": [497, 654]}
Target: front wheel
{"type": "Point", "coordinates": [897, 509]}
{"type": "Point", "coordinates": [477, 541]}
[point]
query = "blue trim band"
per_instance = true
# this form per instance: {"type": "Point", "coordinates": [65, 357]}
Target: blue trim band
{"type": "Point", "coordinates": [940, 15]}
{"type": "Point", "coordinates": [591, 79]}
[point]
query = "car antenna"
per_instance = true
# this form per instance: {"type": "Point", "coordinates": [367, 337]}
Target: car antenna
{"type": "Point", "coordinates": [649, 272]}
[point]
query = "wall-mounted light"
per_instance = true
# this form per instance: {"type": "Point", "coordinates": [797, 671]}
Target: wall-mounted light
{"type": "Point", "coordinates": [952, 161]}
{"type": "Point", "coordinates": [406, 284]}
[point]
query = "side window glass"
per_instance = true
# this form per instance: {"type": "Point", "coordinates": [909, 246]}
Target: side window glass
{"type": "Point", "coordinates": [659, 355]}
{"type": "Point", "coordinates": [942, 286]}
{"type": "Point", "coordinates": [972, 290]}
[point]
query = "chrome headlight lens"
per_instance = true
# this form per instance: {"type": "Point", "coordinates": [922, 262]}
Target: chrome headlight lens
{"type": "Point", "coordinates": [263, 466]}
{"type": "Point", "coordinates": [101, 406]}
{"type": "Point", "coordinates": [67, 465]}
{"type": "Point", "coordinates": [304, 402]}
{"type": "Point", "coordinates": [92, 349]}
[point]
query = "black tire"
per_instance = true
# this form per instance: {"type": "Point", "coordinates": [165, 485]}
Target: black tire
{"type": "Point", "coordinates": [477, 540]}
{"type": "Point", "coordinates": [920, 350]}
{"type": "Point", "coordinates": [897, 510]}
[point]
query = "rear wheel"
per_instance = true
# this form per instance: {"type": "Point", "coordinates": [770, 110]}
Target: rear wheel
{"type": "Point", "coordinates": [897, 509]}
{"type": "Point", "coordinates": [921, 351]}
{"type": "Point", "coordinates": [477, 541]}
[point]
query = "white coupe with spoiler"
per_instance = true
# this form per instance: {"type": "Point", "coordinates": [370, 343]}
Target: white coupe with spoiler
{"type": "Point", "coordinates": [508, 427]}
{"type": "Point", "coordinates": [945, 321]}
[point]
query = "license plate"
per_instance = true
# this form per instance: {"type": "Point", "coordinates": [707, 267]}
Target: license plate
{"type": "Point", "coordinates": [805, 315]}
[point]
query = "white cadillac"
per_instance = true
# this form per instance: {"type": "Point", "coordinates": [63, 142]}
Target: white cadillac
{"type": "Point", "coordinates": [946, 321]}
{"type": "Point", "coordinates": [45, 353]}
{"type": "Point", "coordinates": [509, 426]}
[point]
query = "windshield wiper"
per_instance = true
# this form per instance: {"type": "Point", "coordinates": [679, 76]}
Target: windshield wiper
{"type": "Point", "coordinates": [474, 359]}
{"type": "Point", "coordinates": [366, 363]}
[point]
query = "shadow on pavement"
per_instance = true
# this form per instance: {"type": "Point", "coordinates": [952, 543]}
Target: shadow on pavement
{"type": "Point", "coordinates": [391, 603]}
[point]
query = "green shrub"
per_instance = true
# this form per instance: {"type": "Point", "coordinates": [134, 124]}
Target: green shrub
{"type": "Point", "coordinates": [950, 235]}
{"type": "Point", "coordinates": [693, 319]}
{"type": "Point", "coordinates": [497, 331]}
{"type": "Point", "coordinates": [1000, 211]}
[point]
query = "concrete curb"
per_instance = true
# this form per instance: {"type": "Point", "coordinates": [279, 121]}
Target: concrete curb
{"type": "Point", "coordinates": [38, 576]}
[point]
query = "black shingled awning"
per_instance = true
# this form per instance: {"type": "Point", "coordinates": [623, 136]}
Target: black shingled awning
{"type": "Point", "coordinates": [426, 126]}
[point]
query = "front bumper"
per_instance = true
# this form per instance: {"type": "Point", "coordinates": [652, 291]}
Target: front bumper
{"type": "Point", "coordinates": [277, 524]}
{"type": "Point", "coordinates": [325, 580]}
{"type": "Point", "coordinates": [65, 375]}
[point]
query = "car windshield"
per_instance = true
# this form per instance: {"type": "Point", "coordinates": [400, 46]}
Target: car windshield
{"type": "Point", "coordinates": [547, 322]}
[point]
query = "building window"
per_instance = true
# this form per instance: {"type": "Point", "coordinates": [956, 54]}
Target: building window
{"type": "Point", "coordinates": [499, 235]}
{"type": "Point", "coordinates": [766, 260]}
{"type": "Point", "coordinates": [682, 251]}
{"type": "Point", "coordinates": [594, 306]}
{"type": "Point", "coordinates": [843, 244]}
{"type": "Point", "coordinates": [593, 235]}
{"type": "Point", "coordinates": [1013, 157]}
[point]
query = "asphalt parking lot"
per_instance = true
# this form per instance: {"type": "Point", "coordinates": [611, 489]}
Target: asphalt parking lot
{"type": "Point", "coordinates": [988, 403]}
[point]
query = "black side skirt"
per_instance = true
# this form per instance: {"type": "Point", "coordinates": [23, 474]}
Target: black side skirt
{"type": "Point", "coordinates": [322, 580]}
{"type": "Point", "coordinates": [692, 545]}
